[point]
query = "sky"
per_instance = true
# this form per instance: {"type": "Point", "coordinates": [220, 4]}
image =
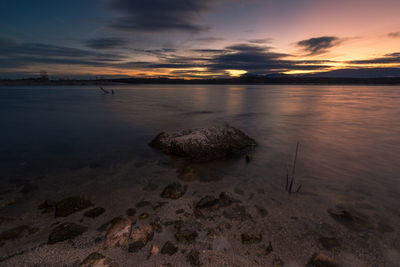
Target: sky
{"type": "Point", "coordinates": [194, 39]}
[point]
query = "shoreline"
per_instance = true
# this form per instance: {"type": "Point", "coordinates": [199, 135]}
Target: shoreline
{"type": "Point", "coordinates": [290, 226]}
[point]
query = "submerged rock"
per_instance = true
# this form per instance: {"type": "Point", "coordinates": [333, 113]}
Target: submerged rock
{"type": "Point", "coordinates": [193, 258]}
{"type": "Point", "coordinates": [169, 248]}
{"type": "Point", "coordinates": [71, 205]}
{"type": "Point", "coordinates": [174, 191]}
{"type": "Point", "coordinates": [66, 231]}
{"type": "Point", "coordinates": [319, 260]}
{"type": "Point", "coordinates": [250, 238]}
{"type": "Point", "coordinates": [95, 212]}
{"type": "Point", "coordinates": [118, 234]}
{"type": "Point", "coordinates": [204, 144]}
{"type": "Point", "coordinates": [96, 259]}
{"type": "Point", "coordinates": [186, 236]}
{"type": "Point", "coordinates": [17, 232]}
{"type": "Point", "coordinates": [350, 218]}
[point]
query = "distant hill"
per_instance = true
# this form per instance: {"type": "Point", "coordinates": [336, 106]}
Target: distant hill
{"type": "Point", "coordinates": [360, 73]}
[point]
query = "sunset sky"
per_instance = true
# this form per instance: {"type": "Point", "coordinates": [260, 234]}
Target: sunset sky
{"type": "Point", "coordinates": [197, 38]}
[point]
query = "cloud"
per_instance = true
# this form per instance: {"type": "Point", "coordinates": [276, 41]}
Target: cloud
{"type": "Point", "coordinates": [260, 41]}
{"type": "Point", "coordinates": [106, 43]}
{"type": "Point", "coordinates": [159, 15]}
{"type": "Point", "coordinates": [209, 39]}
{"type": "Point", "coordinates": [394, 34]}
{"type": "Point", "coordinates": [386, 59]}
{"type": "Point", "coordinates": [319, 45]}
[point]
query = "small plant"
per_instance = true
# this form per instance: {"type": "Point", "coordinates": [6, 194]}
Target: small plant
{"type": "Point", "coordinates": [290, 180]}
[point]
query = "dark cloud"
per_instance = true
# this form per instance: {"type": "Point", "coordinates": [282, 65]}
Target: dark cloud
{"type": "Point", "coordinates": [260, 41]}
{"type": "Point", "coordinates": [387, 59]}
{"type": "Point", "coordinates": [106, 43]}
{"type": "Point", "coordinates": [159, 15]}
{"type": "Point", "coordinates": [319, 45]}
{"type": "Point", "coordinates": [208, 39]}
{"type": "Point", "coordinates": [394, 34]}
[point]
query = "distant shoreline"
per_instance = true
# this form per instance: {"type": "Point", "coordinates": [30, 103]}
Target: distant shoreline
{"type": "Point", "coordinates": [241, 80]}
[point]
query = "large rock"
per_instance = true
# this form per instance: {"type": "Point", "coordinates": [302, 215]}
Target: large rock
{"type": "Point", "coordinates": [66, 231]}
{"type": "Point", "coordinates": [71, 205]}
{"type": "Point", "coordinates": [119, 233]}
{"type": "Point", "coordinates": [204, 144]}
{"type": "Point", "coordinates": [98, 260]}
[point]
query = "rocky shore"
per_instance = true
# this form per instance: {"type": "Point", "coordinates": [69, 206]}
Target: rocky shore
{"type": "Point", "coordinates": [174, 212]}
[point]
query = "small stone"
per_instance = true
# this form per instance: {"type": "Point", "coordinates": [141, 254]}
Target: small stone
{"type": "Point", "coordinates": [177, 224]}
{"type": "Point", "coordinates": [71, 205]}
{"type": "Point", "coordinates": [96, 259]}
{"type": "Point", "coordinates": [157, 227]}
{"type": "Point", "coordinates": [7, 202]}
{"type": "Point", "coordinates": [95, 212]}
{"type": "Point", "coordinates": [193, 258]}
{"type": "Point", "coordinates": [329, 242]}
{"type": "Point", "coordinates": [319, 260]}
{"type": "Point", "coordinates": [174, 191]}
{"type": "Point", "coordinates": [66, 231]}
{"type": "Point", "coordinates": [136, 246]}
{"type": "Point", "coordinates": [248, 238]}
{"type": "Point", "coordinates": [131, 212]}
{"type": "Point", "coordinates": [350, 218]}
{"type": "Point", "coordinates": [153, 251]}
{"type": "Point", "coordinates": [169, 248]}
{"type": "Point", "coordinates": [207, 202]}
{"type": "Point", "coordinates": [144, 233]}
{"type": "Point", "coordinates": [144, 216]}
{"type": "Point", "coordinates": [187, 236]}
{"type": "Point", "coordinates": [105, 225]}
{"type": "Point", "coordinates": [236, 212]}
{"type": "Point", "coordinates": [225, 200]}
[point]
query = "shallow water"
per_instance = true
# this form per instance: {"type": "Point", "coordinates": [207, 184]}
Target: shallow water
{"type": "Point", "coordinates": [349, 150]}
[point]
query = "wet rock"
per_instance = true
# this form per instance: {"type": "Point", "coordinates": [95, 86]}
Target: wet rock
{"type": "Point", "coordinates": [186, 236]}
{"type": "Point", "coordinates": [95, 212]}
{"type": "Point", "coordinates": [136, 246]}
{"type": "Point", "coordinates": [236, 212]}
{"type": "Point", "coordinates": [131, 212]}
{"type": "Point", "coordinates": [225, 200]}
{"type": "Point", "coordinates": [150, 187]}
{"type": "Point", "coordinates": [105, 225]}
{"type": "Point", "coordinates": [174, 191]}
{"type": "Point", "coordinates": [66, 231]}
{"type": "Point", "coordinates": [141, 236]}
{"type": "Point", "coordinates": [153, 251]}
{"type": "Point", "coordinates": [350, 218]}
{"type": "Point", "coordinates": [143, 204]}
{"type": "Point", "coordinates": [319, 260]}
{"type": "Point", "coordinates": [17, 232]}
{"type": "Point", "coordinates": [250, 238]}
{"type": "Point", "coordinates": [169, 248]}
{"type": "Point", "coordinates": [207, 202]}
{"type": "Point", "coordinates": [193, 257]}
{"type": "Point", "coordinates": [329, 242]}
{"type": "Point", "coordinates": [47, 206]}
{"type": "Point", "coordinates": [204, 144]}
{"type": "Point", "coordinates": [262, 211]}
{"type": "Point", "coordinates": [143, 216]}
{"type": "Point", "coordinates": [118, 234]}
{"type": "Point", "coordinates": [96, 259]}
{"type": "Point", "coordinates": [71, 205]}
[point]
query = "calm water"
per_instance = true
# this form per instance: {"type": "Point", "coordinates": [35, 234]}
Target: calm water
{"type": "Point", "coordinates": [347, 134]}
